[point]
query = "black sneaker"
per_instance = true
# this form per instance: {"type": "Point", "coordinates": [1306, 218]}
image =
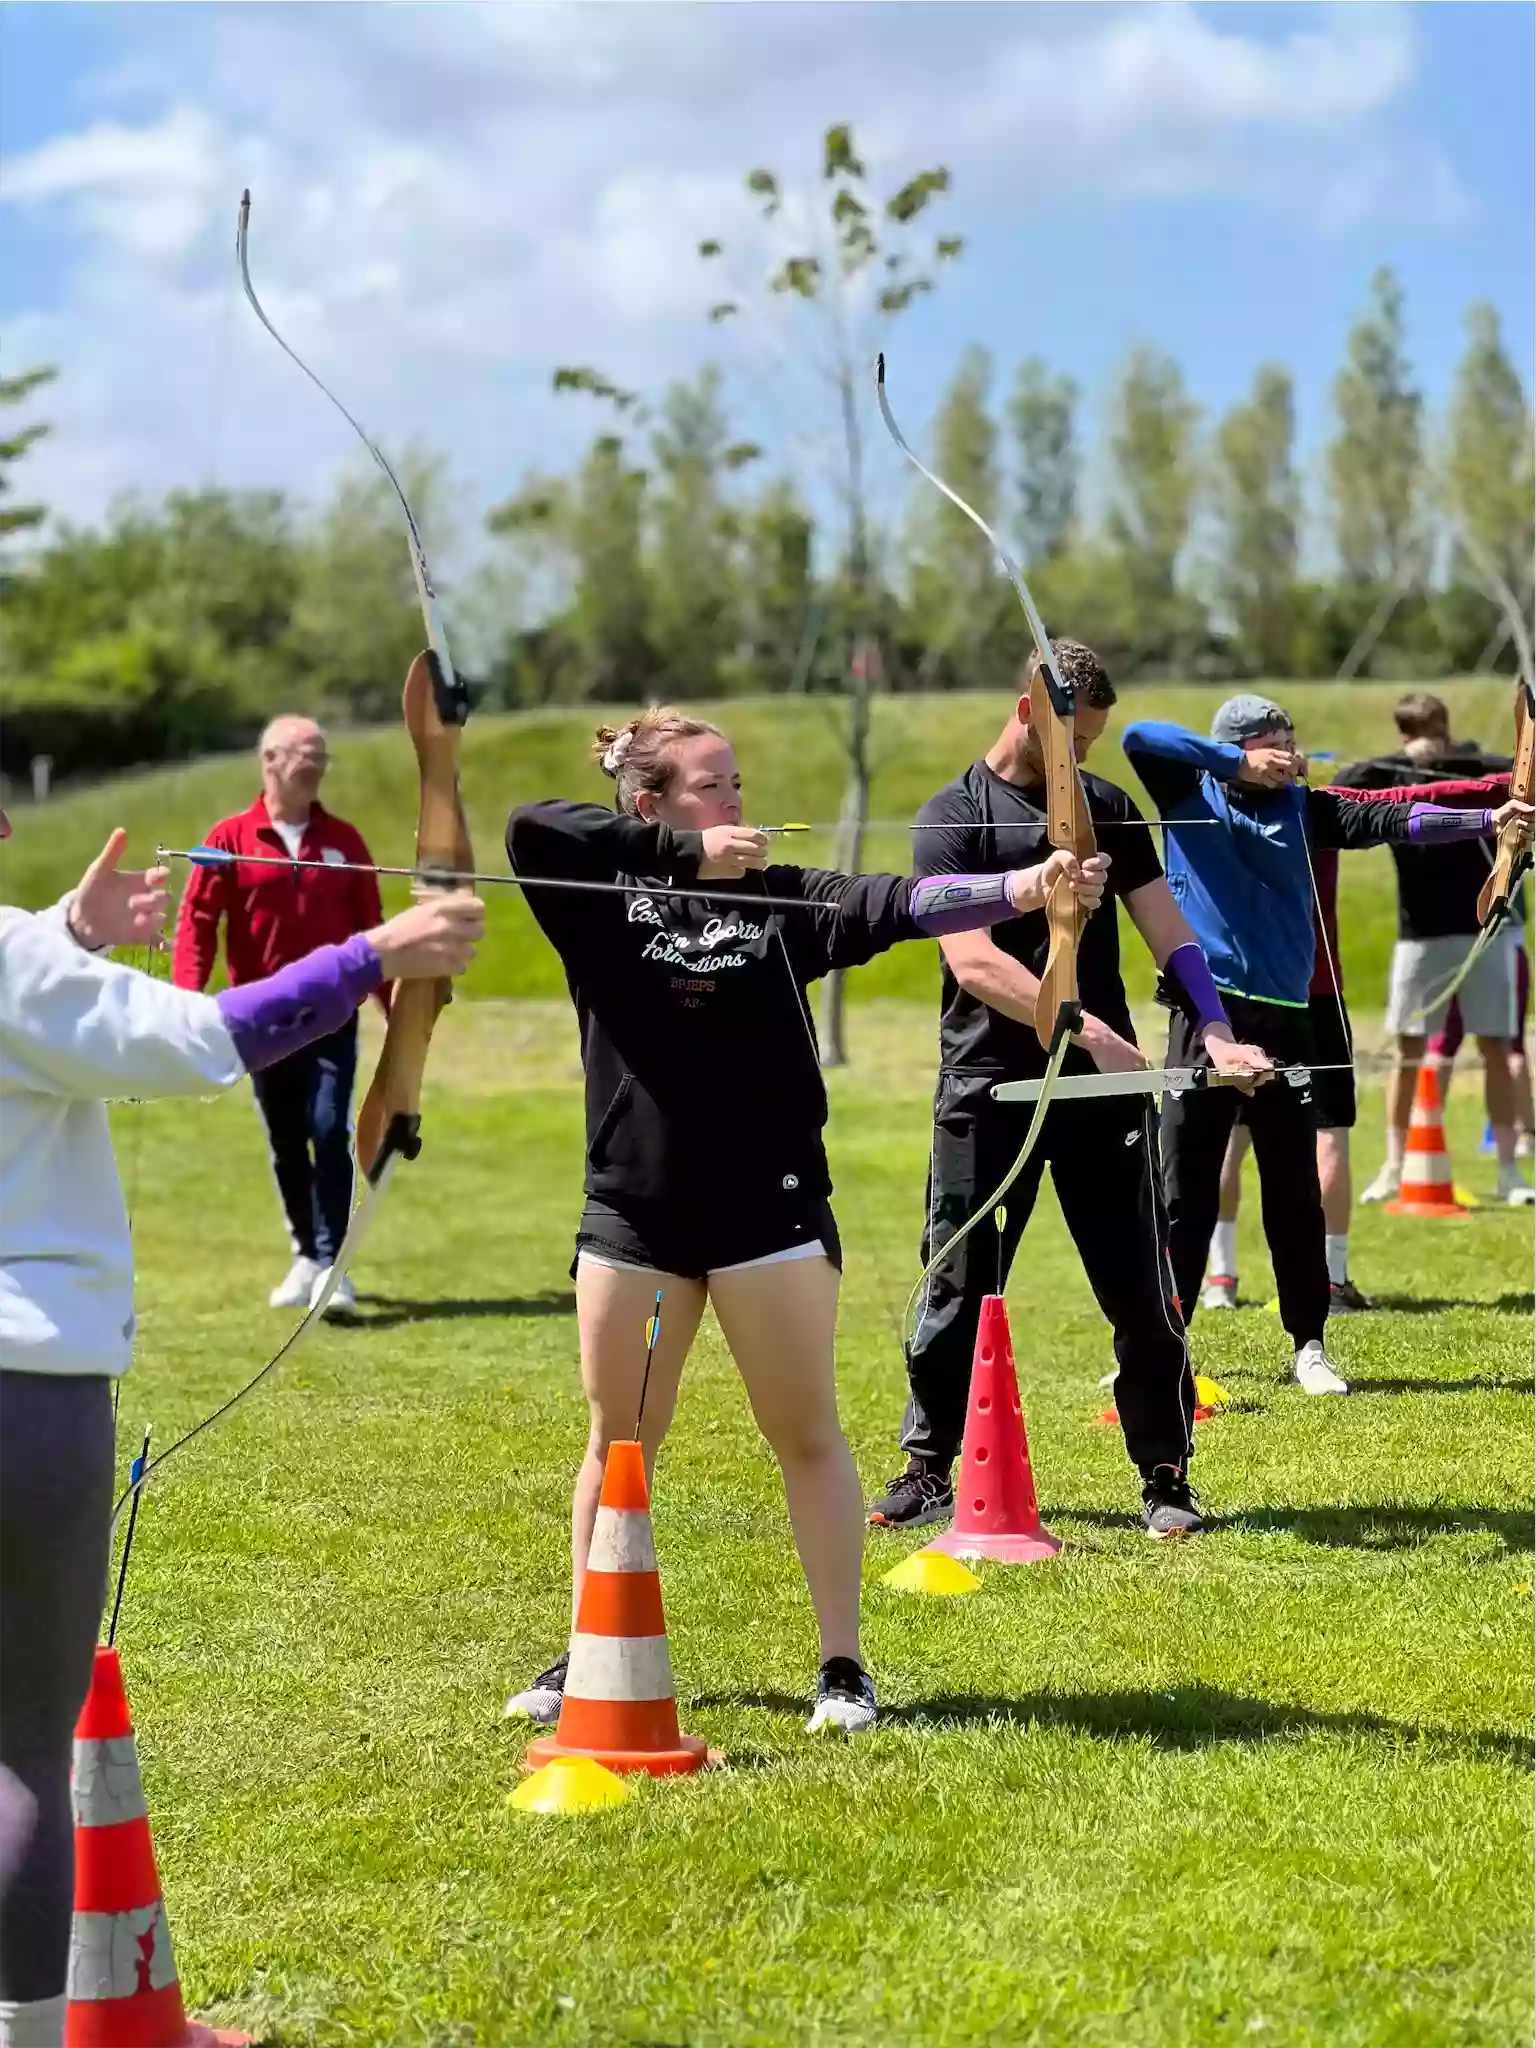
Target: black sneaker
{"type": "Point", "coordinates": [1168, 1506]}
{"type": "Point", "coordinates": [1345, 1299]}
{"type": "Point", "coordinates": [541, 1701]}
{"type": "Point", "coordinates": [920, 1495]}
{"type": "Point", "coordinates": [845, 1698]}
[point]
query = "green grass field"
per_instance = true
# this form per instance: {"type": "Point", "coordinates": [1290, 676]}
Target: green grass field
{"type": "Point", "coordinates": [1273, 1785]}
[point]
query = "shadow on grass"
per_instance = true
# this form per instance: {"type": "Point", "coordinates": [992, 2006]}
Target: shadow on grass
{"type": "Point", "coordinates": [1389, 1528]}
{"type": "Point", "coordinates": [1193, 1717]}
{"type": "Point", "coordinates": [1435, 1304]}
{"type": "Point", "coordinates": [1485, 1383]}
{"type": "Point", "coordinates": [386, 1310]}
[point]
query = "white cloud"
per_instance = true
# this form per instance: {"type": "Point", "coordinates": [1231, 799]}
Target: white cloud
{"type": "Point", "coordinates": [453, 199]}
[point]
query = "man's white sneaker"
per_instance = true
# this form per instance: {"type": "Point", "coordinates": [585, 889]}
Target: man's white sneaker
{"type": "Point", "coordinates": [1514, 1188]}
{"type": "Point", "coordinates": [296, 1290]}
{"type": "Point", "coordinates": [1219, 1291]}
{"type": "Point", "coordinates": [343, 1301]}
{"type": "Point", "coordinates": [1387, 1185]}
{"type": "Point", "coordinates": [1315, 1373]}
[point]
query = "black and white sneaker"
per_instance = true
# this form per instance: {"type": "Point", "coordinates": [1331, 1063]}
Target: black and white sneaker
{"type": "Point", "coordinates": [845, 1698]}
{"type": "Point", "coordinates": [914, 1498]}
{"type": "Point", "coordinates": [1169, 1508]}
{"type": "Point", "coordinates": [1345, 1299]}
{"type": "Point", "coordinates": [541, 1701]}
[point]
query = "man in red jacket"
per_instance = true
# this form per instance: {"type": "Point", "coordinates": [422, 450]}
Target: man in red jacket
{"type": "Point", "coordinates": [273, 916]}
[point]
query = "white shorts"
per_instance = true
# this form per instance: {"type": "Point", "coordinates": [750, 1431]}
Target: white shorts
{"type": "Point", "coordinates": [1422, 968]}
{"type": "Point", "coordinates": [814, 1250]}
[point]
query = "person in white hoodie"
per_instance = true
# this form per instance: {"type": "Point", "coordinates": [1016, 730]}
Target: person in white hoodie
{"type": "Point", "coordinates": [78, 1030]}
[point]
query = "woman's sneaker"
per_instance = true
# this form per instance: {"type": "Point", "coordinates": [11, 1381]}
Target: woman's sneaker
{"type": "Point", "coordinates": [920, 1495]}
{"type": "Point", "coordinates": [1314, 1370]}
{"type": "Point", "coordinates": [541, 1701]}
{"type": "Point", "coordinates": [845, 1698]}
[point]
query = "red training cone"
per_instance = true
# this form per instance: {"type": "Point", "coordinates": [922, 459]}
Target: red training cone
{"type": "Point", "coordinates": [996, 1513]}
{"type": "Point", "coordinates": [1427, 1187]}
{"type": "Point", "coordinates": [123, 1990]}
{"type": "Point", "coordinates": [619, 1706]}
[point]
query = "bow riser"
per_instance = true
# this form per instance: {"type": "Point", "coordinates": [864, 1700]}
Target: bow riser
{"type": "Point", "coordinates": [1514, 849]}
{"type": "Point", "coordinates": [1068, 826]}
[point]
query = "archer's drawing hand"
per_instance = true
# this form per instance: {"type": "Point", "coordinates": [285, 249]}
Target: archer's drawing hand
{"type": "Point", "coordinates": [436, 936]}
{"type": "Point", "coordinates": [1249, 1065]}
{"type": "Point", "coordinates": [1031, 888]}
{"type": "Point", "coordinates": [729, 850]}
{"type": "Point", "coordinates": [1269, 767]}
{"type": "Point", "coordinates": [1110, 1053]}
{"type": "Point", "coordinates": [110, 908]}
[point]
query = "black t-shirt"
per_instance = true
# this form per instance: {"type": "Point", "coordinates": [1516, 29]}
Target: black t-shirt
{"type": "Point", "coordinates": [979, 824]}
{"type": "Point", "coordinates": [1437, 886]}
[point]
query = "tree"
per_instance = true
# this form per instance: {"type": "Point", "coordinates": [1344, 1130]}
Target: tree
{"type": "Point", "coordinates": [1257, 500]}
{"type": "Point", "coordinates": [1375, 463]}
{"type": "Point", "coordinates": [780, 613]}
{"type": "Point", "coordinates": [1156, 477]}
{"type": "Point", "coordinates": [1042, 412]}
{"type": "Point", "coordinates": [695, 601]}
{"type": "Point", "coordinates": [1488, 467]}
{"type": "Point", "coordinates": [610, 611]}
{"type": "Point", "coordinates": [855, 265]}
{"type": "Point", "coordinates": [356, 622]}
{"type": "Point", "coordinates": [16, 391]}
{"type": "Point", "coordinates": [957, 599]}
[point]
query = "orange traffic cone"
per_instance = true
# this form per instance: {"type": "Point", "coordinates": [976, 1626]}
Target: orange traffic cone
{"type": "Point", "coordinates": [123, 1990]}
{"type": "Point", "coordinates": [1427, 1187]}
{"type": "Point", "coordinates": [620, 1707]}
{"type": "Point", "coordinates": [996, 1513]}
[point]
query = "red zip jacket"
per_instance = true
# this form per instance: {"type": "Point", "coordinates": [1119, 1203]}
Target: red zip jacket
{"type": "Point", "coordinates": [272, 916]}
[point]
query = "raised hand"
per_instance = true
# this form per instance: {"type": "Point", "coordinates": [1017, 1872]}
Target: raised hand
{"type": "Point", "coordinates": [729, 850]}
{"type": "Point", "coordinates": [113, 908]}
{"type": "Point", "coordinates": [436, 936]}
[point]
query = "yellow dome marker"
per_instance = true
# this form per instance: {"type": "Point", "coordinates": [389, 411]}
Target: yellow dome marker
{"type": "Point", "coordinates": [926, 1571]}
{"type": "Point", "coordinates": [1209, 1393]}
{"type": "Point", "coordinates": [571, 1784]}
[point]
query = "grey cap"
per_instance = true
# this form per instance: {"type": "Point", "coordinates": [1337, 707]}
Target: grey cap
{"type": "Point", "coordinates": [1242, 719]}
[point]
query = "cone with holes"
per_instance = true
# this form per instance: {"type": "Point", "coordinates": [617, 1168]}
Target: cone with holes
{"type": "Point", "coordinates": [996, 1513]}
{"type": "Point", "coordinates": [619, 1707]}
{"type": "Point", "coordinates": [1427, 1186]}
{"type": "Point", "coordinates": [123, 1989]}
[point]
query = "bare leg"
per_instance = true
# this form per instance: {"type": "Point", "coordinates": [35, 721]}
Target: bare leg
{"type": "Point", "coordinates": [613, 1304]}
{"type": "Point", "coordinates": [1334, 1175]}
{"type": "Point", "coordinates": [1499, 1096]}
{"type": "Point", "coordinates": [1232, 1173]}
{"type": "Point", "coordinates": [1405, 1075]}
{"type": "Point", "coordinates": [781, 1324]}
{"type": "Point", "coordinates": [1520, 1083]}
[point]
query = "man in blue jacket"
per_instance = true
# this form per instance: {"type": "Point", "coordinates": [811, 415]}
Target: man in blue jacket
{"type": "Point", "coordinates": [1249, 892]}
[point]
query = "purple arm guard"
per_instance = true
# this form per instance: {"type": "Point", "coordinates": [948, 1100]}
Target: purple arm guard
{"type": "Point", "coordinates": [310, 999]}
{"type": "Point", "coordinates": [1427, 822]}
{"type": "Point", "coordinates": [1190, 969]}
{"type": "Point", "coordinates": [959, 903]}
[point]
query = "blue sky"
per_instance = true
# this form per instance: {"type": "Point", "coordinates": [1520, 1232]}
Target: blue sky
{"type": "Point", "coordinates": [451, 201]}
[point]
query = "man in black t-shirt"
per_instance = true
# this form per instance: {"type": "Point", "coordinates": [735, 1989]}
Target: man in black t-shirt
{"type": "Point", "coordinates": [1102, 1152]}
{"type": "Point", "coordinates": [1437, 892]}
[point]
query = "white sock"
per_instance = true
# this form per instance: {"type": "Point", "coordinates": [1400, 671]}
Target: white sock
{"type": "Point", "coordinates": [37, 2024]}
{"type": "Point", "coordinates": [1224, 1250]}
{"type": "Point", "coordinates": [1337, 1249]}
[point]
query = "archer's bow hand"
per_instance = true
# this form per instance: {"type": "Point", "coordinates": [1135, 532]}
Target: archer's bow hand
{"type": "Point", "coordinates": [1031, 888]}
{"type": "Point", "coordinates": [1249, 1066]}
{"type": "Point", "coordinates": [435, 937]}
{"type": "Point", "coordinates": [729, 850]}
{"type": "Point", "coordinates": [1513, 813]}
{"type": "Point", "coordinates": [111, 908]}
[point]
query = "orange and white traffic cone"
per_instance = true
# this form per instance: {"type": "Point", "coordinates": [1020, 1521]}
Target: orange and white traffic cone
{"type": "Point", "coordinates": [620, 1706]}
{"type": "Point", "coordinates": [123, 1990]}
{"type": "Point", "coordinates": [1427, 1187]}
{"type": "Point", "coordinates": [996, 1513]}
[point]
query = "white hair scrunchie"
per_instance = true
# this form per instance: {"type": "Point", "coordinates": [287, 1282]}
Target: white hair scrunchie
{"type": "Point", "coordinates": [613, 760]}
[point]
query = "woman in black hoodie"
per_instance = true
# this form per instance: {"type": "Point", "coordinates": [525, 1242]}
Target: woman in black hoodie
{"type": "Point", "coordinates": [706, 1173]}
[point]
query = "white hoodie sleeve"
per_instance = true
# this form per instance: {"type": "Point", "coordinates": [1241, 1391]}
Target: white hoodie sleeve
{"type": "Point", "coordinates": [84, 1027]}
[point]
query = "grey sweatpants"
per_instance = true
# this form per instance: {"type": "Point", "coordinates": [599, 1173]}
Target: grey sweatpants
{"type": "Point", "coordinates": [55, 1506]}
